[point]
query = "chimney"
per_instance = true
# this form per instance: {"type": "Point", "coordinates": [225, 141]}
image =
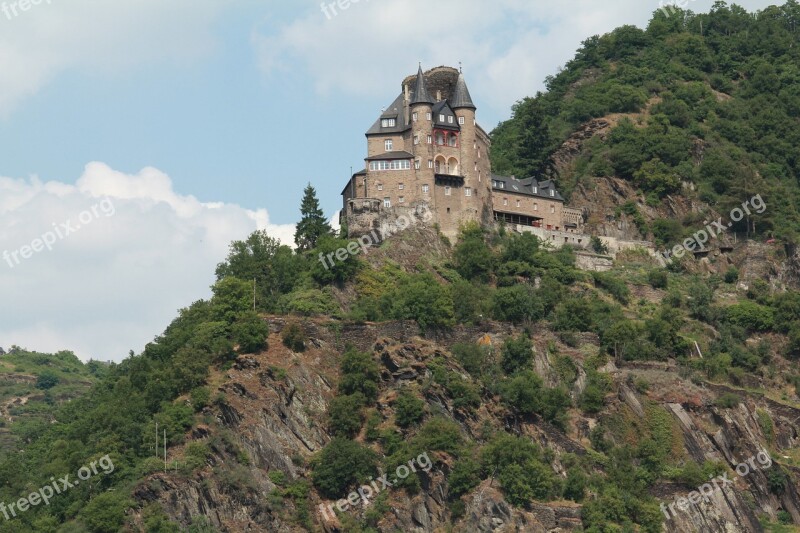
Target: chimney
{"type": "Point", "coordinates": [438, 96]}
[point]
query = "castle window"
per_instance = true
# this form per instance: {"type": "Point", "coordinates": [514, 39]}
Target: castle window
{"type": "Point", "coordinates": [388, 144]}
{"type": "Point", "coordinates": [505, 201]}
{"type": "Point", "coordinates": [535, 206]}
{"type": "Point", "coordinates": [476, 167]}
{"type": "Point", "coordinates": [450, 119]}
{"type": "Point", "coordinates": [552, 192]}
{"type": "Point", "coordinates": [467, 191]}
{"type": "Point", "coordinates": [440, 139]}
{"type": "Point", "coordinates": [380, 186]}
{"type": "Point", "coordinates": [430, 163]}
{"type": "Point", "coordinates": [447, 190]}
{"type": "Point", "coordinates": [401, 186]}
{"type": "Point", "coordinates": [517, 203]}
{"type": "Point", "coordinates": [395, 164]}
{"type": "Point", "coordinates": [461, 120]}
{"type": "Point", "coordinates": [430, 139]}
{"type": "Point", "coordinates": [416, 164]}
{"type": "Point", "coordinates": [387, 202]}
{"type": "Point", "coordinates": [414, 117]}
{"type": "Point", "coordinates": [426, 188]}
{"type": "Point", "coordinates": [416, 139]}
{"type": "Point", "coordinates": [429, 116]}
{"type": "Point", "coordinates": [552, 208]}
{"type": "Point", "coordinates": [536, 190]}
{"type": "Point", "coordinates": [388, 122]}
{"type": "Point", "coordinates": [402, 200]}
{"type": "Point", "coordinates": [452, 140]}
{"type": "Point", "coordinates": [441, 118]}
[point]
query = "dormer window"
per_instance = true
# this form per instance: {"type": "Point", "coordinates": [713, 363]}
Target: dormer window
{"type": "Point", "coordinates": [450, 119]}
{"type": "Point", "coordinates": [441, 118]}
{"type": "Point", "coordinates": [388, 122]}
{"type": "Point", "coordinates": [552, 192]}
{"type": "Point", "coordinates": [536, 190]}
{"type": "Point", "coordinates": [388, 145]}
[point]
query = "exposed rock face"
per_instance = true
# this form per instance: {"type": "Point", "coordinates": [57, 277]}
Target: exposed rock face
{"type": "Point", "coordinates": [272, 412]}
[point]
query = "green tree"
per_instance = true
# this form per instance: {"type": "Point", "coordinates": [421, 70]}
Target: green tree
{"type": "Point", "coordinates": [341, 465]}
{"type": "Point", "coordinates": [516, 353]}
{"type": "Point", "coordinates": [312, 223]}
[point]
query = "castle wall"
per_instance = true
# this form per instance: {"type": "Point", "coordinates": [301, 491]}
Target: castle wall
{"type": "Point", "coordinates": [549, 211]}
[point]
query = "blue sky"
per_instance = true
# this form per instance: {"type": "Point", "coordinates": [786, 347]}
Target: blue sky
{"type": "Point", "coordinates": [203, 120]}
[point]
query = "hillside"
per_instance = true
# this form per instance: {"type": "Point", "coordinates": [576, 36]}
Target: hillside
{"type": "Point", "coordinates": [488, 384]}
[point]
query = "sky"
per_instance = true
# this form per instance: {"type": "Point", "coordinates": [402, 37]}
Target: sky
{"type": "Point", "coordinates": [138, 138]}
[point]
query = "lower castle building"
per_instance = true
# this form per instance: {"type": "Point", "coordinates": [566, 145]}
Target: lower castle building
{"type": "Point", "coordinates": [427, 153]}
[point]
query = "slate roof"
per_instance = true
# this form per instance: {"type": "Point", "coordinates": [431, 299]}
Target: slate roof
{"type": "Point", "coordinates": [421, 95]}
{"type": "Point", "coordinates": [526, 187]}
{"type": "Point", "coordinates": [395, 111]}
{"type": "Point", "coordinates": [400, 154]}
{"type": "Point", "coordinates": [461, 97]}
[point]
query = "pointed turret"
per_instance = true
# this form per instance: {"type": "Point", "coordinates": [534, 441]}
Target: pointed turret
{"type": "Point", "coordinates": [461, 97]}
{"type": "Point", "coordinates": [421, 95]}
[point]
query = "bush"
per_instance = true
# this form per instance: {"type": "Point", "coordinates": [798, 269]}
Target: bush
{"type": "Point", "coordinates": [47, 380]}
{"type": "Point", "coordinates": [658, 278]}
{"type": "Point", "coordinates": [728, 400]}
{"type": "Point", "coordinates": [408, 410]}
{"type": "Point", "coordinates": [750, 316]}
{"type": "Point", "coordinates": [359, 374]}
{"type": "Point", "coordinates": [345, 415]}
{"type": "Point", "coordinates": [516, 354]}
{"type": "Point", "coordinates": [518, 304]}
{"type": "Point", "coordinates": [294, 337]}
{"type": "Point", "coordinates": [732, 275]}
{"type": "Point", "coordinates": [250, 332]}
{"type": "Point", "coordinates": [471, 356]}
{"type": "Point", "coordinates": [342, 465]}
{"type": "Point", "coordinates": [200, 398]}
{"type": "Point", "coordinates": [464, 477]}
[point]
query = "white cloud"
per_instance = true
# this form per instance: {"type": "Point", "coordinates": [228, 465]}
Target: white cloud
{"type": "Point", "coordinates": [94, 37]}
{"type": "Point", "coordinates": [116, 281]}
{"type": "Point", "coordinates": [508, 47]}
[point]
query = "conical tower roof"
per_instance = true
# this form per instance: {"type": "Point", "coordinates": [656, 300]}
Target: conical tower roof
{"type": "Point", "coordinates": [421, 95]}
{"type": "Point", "coordinates": [461, 97]}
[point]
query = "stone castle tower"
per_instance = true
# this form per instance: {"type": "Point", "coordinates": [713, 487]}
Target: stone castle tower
{"type": "Point", "coordinates": [425, 153]}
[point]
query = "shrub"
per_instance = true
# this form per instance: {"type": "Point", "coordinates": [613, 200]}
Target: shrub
{"type": "Point", "coordinates": [200, 398]}
{"type": "Point", "coordinates": [464, 477]}
{"type": "Point", "coordinates": [408, 410]}
{"type": "Point", "coordinates": [359, 373]}
{"type": "Point", "coordinates": [516, 354]}
{"type": "Point", "coordinates": [47, 380]}
{"type": "Point", "coordinates": [518, 304]}
{"type": "Point", "coordinates": [732, 275]}
{"type": "Point", "coordinates": [658, 278]}
{"type": "Point", "coordinates": [750, 316]}
{"type": "Point", "coordinates": [294, 337]}
{"type": "Point", "coordinates": [341, 465]}
{"type": "Point", "coordinates": [728, 400]}
{"type": "Point", "coordinates": [471, 356]}
{"type": "Point", "coordinates": [250, 332]}
{"type": "Point", "coordinates": [345, 415]}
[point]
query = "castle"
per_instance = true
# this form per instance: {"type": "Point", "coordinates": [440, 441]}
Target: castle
{"type": "Point", "coordinates": [427, 152]}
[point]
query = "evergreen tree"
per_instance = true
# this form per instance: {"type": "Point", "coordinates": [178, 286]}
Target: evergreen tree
{"type": "Point", "coordinates": [312, 224]}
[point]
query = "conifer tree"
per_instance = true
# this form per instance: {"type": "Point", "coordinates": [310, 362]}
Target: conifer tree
{"type": "Point", "coordinates": [312, 225]}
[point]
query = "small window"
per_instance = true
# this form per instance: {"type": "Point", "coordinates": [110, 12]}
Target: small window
{"type": "Point", "coordinates": [517, 203]}
{"type": "Point", "coordinates": [430, 139]}
{"type": "Point", "coordinates": [426, 188]}
{"type": "Point", "coordinates": [467, 191]}
{"type": "Point", "coordinates": [387, 202]}
{"type": "Point", "coordinates": [380, 186]}
{"type": "Point", "coordinates": [388, 144]}
{"type": "Point", "coordinates": [505, 201]}
{"type": "Point", "coordinates": [401, 186]}
{"type": "Point", "coordinates": [441, 118]}
{"type": "Point", "coordinates": [536, 190]}
{"type": "Point", "coordinates": [440, 139]}
{"type": "Point", "coordinates": [450, 119]}
{"type": "Point", "coordinates": [430, 163]}
{"type": "Point", "coordinates": [452, 140]}
{"type": "Point", "coordinates": [476, 167]}
{"type": "Point", "coordinates": [429, 116]}
{"type": "Point", "coordinates": [414, 117]}
{"type": "Point", "coordinates": [447, 190]}
{"type": "Point", "coordinates": [552, 192]}
{"type": "Point", "coordinates": [416, 164]}
{"type": "Point", "coordinates": [461, 120]}
{"type": "Point", "coordinates": [401, 200]}
{"type": "Point", "coordinates": [552, 208]}
{"type": "Point", "coordinates": [388, 123]}
{"type": "Point", "coordinates": [416, 139]}
{"type": "Point", "coordinates": [535, 206]}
